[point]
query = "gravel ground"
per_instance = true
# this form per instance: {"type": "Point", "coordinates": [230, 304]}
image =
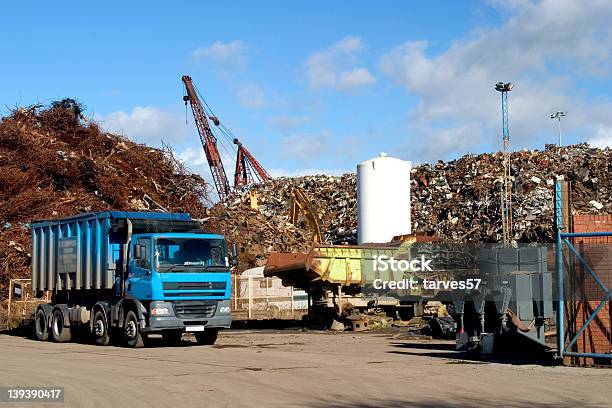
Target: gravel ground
{"type": "Point", "coordinates": [293, 368]}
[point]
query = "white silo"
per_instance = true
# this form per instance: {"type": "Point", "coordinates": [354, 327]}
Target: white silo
{"type": "Point", "coordinates": [383, 199]}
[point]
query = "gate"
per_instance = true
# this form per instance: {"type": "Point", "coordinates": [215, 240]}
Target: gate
{"type": "Point", "coordinates": [584, 278]}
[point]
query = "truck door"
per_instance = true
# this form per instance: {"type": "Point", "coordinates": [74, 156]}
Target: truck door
{"type": "Point", "coordinates": [139, 277]}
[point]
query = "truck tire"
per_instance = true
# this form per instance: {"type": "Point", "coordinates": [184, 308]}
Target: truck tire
{"type": "Point", "coordinates": [100, 329]}
{"type": "Point", "coordinates": [59, 333]}
{"type": "Point", "coordinates": [132, 336]}
{"type": "Point", "coordinates": [207, 337]}
{"type": "Point", "coordinates": [41, 328]}
{"type": "Point", "coordinates": [172, 337]}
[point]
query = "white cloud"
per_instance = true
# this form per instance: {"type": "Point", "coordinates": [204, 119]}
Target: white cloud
{"type": "Point", "coordinates": [355, 78]}
{"type": "Point", "coordinates": [603, 137]}
{"type": "Point", "coordinates": [195, 161]}
{"type": "Point", "coordinates": [445, 142]}
{"type": "Point", "coordinates": [192, 157]}
{"type": "Point", "coordinates": [221, 52]}
{"type": "Point", "coordinates": [334, 67]}
{"type": "Point", "coordinates": [306, 147]}
{"type": "Point", "coordinates": [348, 44]}
{"type": "Point", "coordinates": [251, 96]}
{"type": "Point", "coordinates": [146, 124]}
{"type": "Point", "coordinates": [537, 42]}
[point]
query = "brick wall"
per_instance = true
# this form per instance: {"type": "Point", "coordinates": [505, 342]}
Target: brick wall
{"type": "Point", "coordinates": [587, 294]}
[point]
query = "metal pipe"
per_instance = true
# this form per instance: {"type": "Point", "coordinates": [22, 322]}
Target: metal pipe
{"type": "Point", "coordinates": [592, 355]}
{"type": "Point", "coordinates": [585, 234]}
{"type": "Point", "coordinates": [560, 288]}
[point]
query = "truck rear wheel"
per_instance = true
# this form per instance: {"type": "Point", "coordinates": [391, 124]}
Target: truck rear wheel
{"type": "Point", "coordinates": [172, 337]}
{"type": "Point", "coordinates": [100, 329]}
{"type": "Point", "coordinates": [59, 333]}
{"type": "Point", "coordinates": [133, 337]}
{"type": "Point", "coordinates": [207, 337]}
{"type": "Point", "coordinates": [41, 328]}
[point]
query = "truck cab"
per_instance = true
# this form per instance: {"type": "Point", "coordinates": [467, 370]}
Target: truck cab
{"type": "Point", "coordinates": [182, 279]}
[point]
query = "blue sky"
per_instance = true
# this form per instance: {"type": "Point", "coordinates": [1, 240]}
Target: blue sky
{"type": "Point", "coordinates": [315, 87]}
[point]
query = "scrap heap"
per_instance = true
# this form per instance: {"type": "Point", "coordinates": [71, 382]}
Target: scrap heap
{"type": "Point", "coordinates": [333, 197]}
{"type": "Point", "coordinates": [256, 234]}
{"type": "Point", "coordinates": [54, 163]}
{"type": "Point", "coordinates": [460, 200]}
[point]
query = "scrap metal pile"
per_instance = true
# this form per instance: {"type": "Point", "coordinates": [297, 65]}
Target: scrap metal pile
{"type": "Point", "coordinates": [459, 200]}
{"type": "Point", "coordinates": [256, 234]}
{"type": "Point", "coordinates": [54, 163]}
{"type": "Point", "coordinates": [334, 199]}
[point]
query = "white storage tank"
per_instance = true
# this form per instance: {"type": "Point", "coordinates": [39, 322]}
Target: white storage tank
{"type": "Point", "coordinates": [383, 199]}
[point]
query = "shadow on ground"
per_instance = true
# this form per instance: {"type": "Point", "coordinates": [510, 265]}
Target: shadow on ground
{"type": "Point", "coordinates": [82, 336]}
{"type": "Point", "coordinates": [448, 351]}
{"type": "Point", "coordinates": [456, 403]}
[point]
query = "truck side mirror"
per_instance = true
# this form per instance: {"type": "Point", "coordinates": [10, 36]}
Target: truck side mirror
{"type": "Point", "coordinates": [234, 254]}
{"type": "Point", "coordinates": [137, 251]}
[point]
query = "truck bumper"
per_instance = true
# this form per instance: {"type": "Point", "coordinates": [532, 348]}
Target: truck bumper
{"type": "Point", "coordinates": [222, 319]}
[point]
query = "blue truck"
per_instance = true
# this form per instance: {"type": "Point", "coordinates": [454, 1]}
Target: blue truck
{"type": "Point", "coordinates": [125, 275]}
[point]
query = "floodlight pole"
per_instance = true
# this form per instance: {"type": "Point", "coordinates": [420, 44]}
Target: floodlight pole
{"type": "Point", "coordinates": [557, 115]}
{"type": "Point", "coordinates": [506, 193]}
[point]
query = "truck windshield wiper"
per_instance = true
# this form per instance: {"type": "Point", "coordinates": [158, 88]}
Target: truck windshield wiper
{"type": "Point", "coordinates": [171, 268]}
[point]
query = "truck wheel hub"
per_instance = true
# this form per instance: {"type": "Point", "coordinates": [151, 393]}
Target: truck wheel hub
{"type": "Point", "coordinates": [99, 328]}
{"type": "Point", "coordinates": [130, 329]}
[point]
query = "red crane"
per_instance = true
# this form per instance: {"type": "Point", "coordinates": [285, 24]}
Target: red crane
{"type": "Point", "coordinates": [248, 170]}
{"type": "Point", "coordinates": [209, 141]}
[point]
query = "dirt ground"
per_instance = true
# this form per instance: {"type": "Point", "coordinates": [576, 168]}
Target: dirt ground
{"type": "Point", "coordinates": [293, 368]}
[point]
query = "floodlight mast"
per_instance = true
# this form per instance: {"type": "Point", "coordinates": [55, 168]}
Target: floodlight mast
{"type": "Point", "coordinates": [557, 115]}
{"type": "Point", "coordinates": [506, 196]}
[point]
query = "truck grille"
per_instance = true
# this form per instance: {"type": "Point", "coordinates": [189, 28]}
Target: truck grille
{"type": "Point", "coordinates": [194, 286]}
{"type": "Point", "coordinates": [194, 309]}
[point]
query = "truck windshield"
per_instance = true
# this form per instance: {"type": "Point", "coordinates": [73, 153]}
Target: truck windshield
{"type": "Point", "coordinates": [193, 254]}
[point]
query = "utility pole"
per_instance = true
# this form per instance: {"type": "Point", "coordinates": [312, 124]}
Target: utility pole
{"type": "Point", "coordinates": [506, 193]}
{"type": "Point", "coordinates": [557, 115]}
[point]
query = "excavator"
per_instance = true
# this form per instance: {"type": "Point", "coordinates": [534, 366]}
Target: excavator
{"type": "Point", "coordinates": [300, 204]}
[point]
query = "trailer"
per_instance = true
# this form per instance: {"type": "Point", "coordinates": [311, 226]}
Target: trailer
{"type": "Point", "coordinates": [339, 279]}
{"type": "Point", "coordinates": [125, 275]}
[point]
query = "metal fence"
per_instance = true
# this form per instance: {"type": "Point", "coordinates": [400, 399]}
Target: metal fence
{"type": "Point", "coordinates": [261, 298]}
{"type": "Point", "coordinates": [584, 276]}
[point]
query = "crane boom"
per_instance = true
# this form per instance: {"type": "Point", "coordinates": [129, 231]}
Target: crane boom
{"type": "Point", "coordinates": [208, 139]}
{"type": "Point", "coordinates": [248, 169]}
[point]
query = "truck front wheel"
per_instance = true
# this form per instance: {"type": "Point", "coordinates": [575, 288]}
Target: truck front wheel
{"type": "Point", "coordinates": [133, 337]}
{"type": "Point", "coordinates": [59, 333]}
{"type": "Point", "coordinates": [41, 328]}
{"type": "Point", "coordinates": [207, 337]}
{"type": "Point", "coordinates": [100, 329]}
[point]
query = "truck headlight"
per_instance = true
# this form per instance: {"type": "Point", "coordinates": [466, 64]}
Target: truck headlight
{"type": "Point", "coordinates": [160, 311]}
